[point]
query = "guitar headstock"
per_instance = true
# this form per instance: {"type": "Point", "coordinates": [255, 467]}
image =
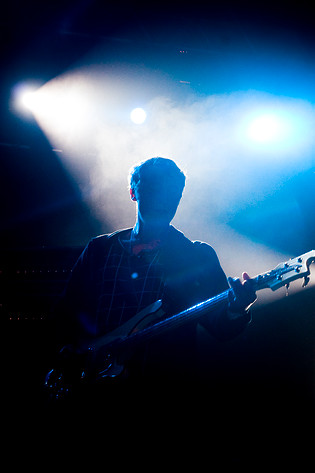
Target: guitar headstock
{"type": "Point", "coordinates": [285, 273]}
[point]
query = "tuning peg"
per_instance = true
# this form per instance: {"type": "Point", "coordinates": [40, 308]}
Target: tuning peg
{"type": "Point", "coordinates": [306, 281]}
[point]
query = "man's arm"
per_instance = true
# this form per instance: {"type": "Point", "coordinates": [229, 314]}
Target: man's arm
{"type": "Point", "coordinates": [229, 321]}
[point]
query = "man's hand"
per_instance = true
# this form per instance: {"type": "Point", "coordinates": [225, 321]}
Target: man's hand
{"type": "Point", "coordinates": [242, 295]}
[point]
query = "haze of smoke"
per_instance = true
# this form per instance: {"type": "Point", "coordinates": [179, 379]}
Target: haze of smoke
{"type": "Point", "coordinates": [202, 134]}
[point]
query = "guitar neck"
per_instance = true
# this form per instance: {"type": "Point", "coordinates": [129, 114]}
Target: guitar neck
{"type": "Point", "coordinates": [175, 321]}
{"type": "Point", "coordinates": [191, 314]}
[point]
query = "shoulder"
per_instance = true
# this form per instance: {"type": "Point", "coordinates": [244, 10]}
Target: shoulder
{"type": "Point", "coordinates": [100, 245]}
{"type": "Point", "coordinates": [102, 241]}
{"type": "Point", "coordinates": [204, 250]}
{"type": "Point", "coordinates": [198, 248]}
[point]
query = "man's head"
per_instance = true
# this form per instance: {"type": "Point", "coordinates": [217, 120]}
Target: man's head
{"type": "Point", "coordinates": [157, 185]}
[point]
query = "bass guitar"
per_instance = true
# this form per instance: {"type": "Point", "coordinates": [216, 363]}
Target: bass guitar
{"type": "Point", "coordinates": [105, 357]}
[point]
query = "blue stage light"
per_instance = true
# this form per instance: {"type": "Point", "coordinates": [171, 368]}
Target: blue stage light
{"type": "Point", "coordinates": [269, 128]}
{"type": "Point", "coordinates": [24, 98]}
{"type": "Point", "coordinates": [280, 129]}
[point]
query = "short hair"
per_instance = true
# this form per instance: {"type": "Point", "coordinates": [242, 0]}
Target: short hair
{"type": "Point", "coordinates": [156, 169]}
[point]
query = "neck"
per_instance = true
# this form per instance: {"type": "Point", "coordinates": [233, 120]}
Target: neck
{"type": "Point", "coordinates": [149, 232]}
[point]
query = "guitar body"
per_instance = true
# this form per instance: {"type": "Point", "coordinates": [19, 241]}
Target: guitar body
{"type": "Point", "coordinates": [100, 358]}
{"type": "Point", "coordinates": [142, 319]}
{"type": "Point", "coordinates": [105, 356]}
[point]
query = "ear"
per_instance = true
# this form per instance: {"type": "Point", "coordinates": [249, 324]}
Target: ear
{"type": "Point", "coordinates": [132, 195]}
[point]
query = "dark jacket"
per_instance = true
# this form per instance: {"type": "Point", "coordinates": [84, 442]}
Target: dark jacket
{"type": "Point", "coordinates": [191, 274]}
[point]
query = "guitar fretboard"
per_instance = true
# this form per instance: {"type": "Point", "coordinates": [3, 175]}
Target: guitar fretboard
{"type": "Point", "coordinates": [177, 320]}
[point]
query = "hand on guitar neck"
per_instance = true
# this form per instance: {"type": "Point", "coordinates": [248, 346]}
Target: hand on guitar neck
{"type": "Point", "coordinates": [242, 296]}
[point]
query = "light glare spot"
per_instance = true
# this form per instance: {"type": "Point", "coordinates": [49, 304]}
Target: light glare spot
{"type": "Point", "coordinates": [138, 116]}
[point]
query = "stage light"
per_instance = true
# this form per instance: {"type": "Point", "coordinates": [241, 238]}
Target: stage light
{"type": "Point", "coordinates": [24, 98]}
{"type": "Point", "coordinates": [268, 127]}
{"type": "Point", "coordinates": [138, 116]}
{"type": "Point", "coordinates": [28, 99]}
{"type": "Point", "coordinates": [60, 108]}
{"type": "Point", "coordinates": [284, 129]}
